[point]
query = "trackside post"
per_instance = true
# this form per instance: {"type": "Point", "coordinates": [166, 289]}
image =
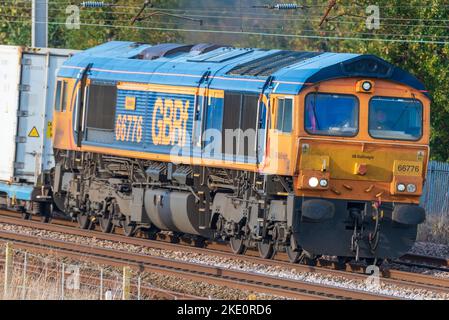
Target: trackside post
{"type": "Point", "coordinates": [126, 291]}
{"type": "Point", "coordinates": [8, 270]}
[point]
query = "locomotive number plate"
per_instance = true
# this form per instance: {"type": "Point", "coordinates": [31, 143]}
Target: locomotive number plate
{"type": "Point", "coordinates": [407, 168]}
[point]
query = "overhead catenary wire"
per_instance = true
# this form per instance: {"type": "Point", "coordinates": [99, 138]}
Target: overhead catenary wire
{"type": "Point", "coordinates": [382, 25]}
{"type": "Point", "coordinates": [287, 18]}
{"type": "Point", "coordinates": [323, 5]}
{"type": "Point", "coordinates": [341, 33]}
{"type": "Point", "coordinates": [249, 15]}
{"type": "Point", "coordinates": [186, 10]}
{"type": "Point", "coordinates": [89, 22]}
{"type": "Point", "coordinates": [303, 30]}
{"type": "Point", "coordinates": [262, 34]}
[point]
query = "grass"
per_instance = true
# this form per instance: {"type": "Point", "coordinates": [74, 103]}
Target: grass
{"type": "Point", "coordinates": [43, 282]}
{"type": "Point", "coordinates": [435, 229]}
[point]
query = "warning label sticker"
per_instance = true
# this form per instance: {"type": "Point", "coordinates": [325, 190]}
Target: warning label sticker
{"type": "Point", "coordinates": [49, 129]}
{"type": "Point", "coordinates": [33, 133]}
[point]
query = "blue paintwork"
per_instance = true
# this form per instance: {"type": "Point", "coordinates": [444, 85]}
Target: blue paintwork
{"type": "Point", "coordinates": [20, 192]}
{"type": "Point", "coordinates": [114, 61]}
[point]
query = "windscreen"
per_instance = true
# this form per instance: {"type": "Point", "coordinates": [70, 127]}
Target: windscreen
{"type": "Point", "coordinates": [395, 118]}
{"type": "Point", "coordinates": [331, 114]}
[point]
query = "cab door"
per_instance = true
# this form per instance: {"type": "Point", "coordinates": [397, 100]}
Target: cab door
{"type": "Point", "coordinates": [280, 136]}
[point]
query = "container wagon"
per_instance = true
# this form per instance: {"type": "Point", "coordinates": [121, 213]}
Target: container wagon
{"type": "Point", "coordinates": [27, 87]}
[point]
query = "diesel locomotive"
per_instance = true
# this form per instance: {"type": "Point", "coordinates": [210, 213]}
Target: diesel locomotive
{"type": "Point", "coordinates": [308, 153]}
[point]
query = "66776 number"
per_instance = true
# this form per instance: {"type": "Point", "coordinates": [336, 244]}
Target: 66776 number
{"type": "Point", "coordinates": [128, 128]}
{"type": "Point", "coordinates": [408, 168]}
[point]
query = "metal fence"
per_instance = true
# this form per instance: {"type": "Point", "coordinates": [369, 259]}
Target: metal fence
{"type": "Point", "coordinates": [26, 275]}
{"type": "Point", "coordinates": [435, 197]}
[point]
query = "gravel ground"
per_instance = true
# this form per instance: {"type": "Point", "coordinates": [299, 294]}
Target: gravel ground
{"type": "Point", "coordinates": [239, 264]}
{"type": "Point", "coordinates": [426, 271]}
{"type": "Point", "coordinates": [426, 249]}
{"type": "Point", "coordinates": [431, 249]}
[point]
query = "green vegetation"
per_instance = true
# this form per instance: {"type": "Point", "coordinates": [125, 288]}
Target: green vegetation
{"type": "Point", "coordinates": [405, 22]}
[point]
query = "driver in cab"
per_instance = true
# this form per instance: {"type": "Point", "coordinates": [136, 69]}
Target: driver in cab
{"type": "Point", "coordinates": [380, 121]}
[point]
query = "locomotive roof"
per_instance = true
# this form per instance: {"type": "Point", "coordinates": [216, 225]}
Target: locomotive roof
{"type": "Point", "coordinates": [237, 69]}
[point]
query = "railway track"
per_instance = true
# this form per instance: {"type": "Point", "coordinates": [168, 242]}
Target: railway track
{"type": "Point", "coordinates": [392, 277]}
{"type": "Point", "coordinates": [196, 272]}
{"type": "Point", "coordinates": [421, 261]}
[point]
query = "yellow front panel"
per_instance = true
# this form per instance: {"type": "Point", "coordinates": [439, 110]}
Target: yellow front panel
{"type": "Point", "coordinates": [361, 167]}
{"type": "Point", "coordinates": [407, 168]}
{"type": "Point", "coordinates": [379, 160]}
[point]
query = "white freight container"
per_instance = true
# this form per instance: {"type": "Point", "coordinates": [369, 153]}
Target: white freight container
{"type": "Point", "coordinates": [10, 59]}
{"type": "Point", "coordinates": [27, 86]}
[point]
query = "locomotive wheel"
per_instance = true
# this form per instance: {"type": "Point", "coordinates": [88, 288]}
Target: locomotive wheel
{"type": "Point", "coordinates": [310, 259]}
{"type": "Point", "coordinates": [266, 250]}
{"type": "Point", "coordinates": [199, 242]}
{"type": "Point", "coordinates": [59, 201]}
{"type": "Point", "coordinates": [342, 261]}
{"type": "Point", "coordinates": [46, 218]}
{"type": "Point", "coordinates": [150, 233]}
{"type": "Point", "coordinates": [373, 261]}
{"type": "Point", "coordinates": [46, 212]}
{"type": "Point", "coordinates": [174, 238]}
{"type": "Point", "coordinates": [84, 222]}
{"type": "Point", "coordinates": [105, 223]}
{"type": "Point", "coordinates": [26, 215]}
{"type": "Point", "coordinates": [293, 256]}
{"type": "Point", "coordinates": [237, 245]}
{"type": "Point", "coordinates": [129, 229]}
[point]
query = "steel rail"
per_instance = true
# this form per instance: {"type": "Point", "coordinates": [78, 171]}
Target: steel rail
{"type": "Point", "coordinates": [241, 280]}
{"type": "Point", "coordinates": [423, 261]}
{"type": "Point", "coordinates": [390, 276]}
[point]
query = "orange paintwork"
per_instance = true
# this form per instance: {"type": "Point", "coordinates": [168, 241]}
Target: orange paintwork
{"type": "Point", "coordinates": [284, 152]}
{"type": "Point", "coordinates": [344, 152]}
{"type": "Point", "coordinates": [62, 121]}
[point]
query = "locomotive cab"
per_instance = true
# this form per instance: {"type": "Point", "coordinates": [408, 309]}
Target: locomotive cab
{"type": "Point", "coordinates": [362, 157]}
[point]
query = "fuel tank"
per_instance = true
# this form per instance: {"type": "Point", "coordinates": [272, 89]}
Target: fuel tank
{"type": "Point", "coordinates": [174, 211]}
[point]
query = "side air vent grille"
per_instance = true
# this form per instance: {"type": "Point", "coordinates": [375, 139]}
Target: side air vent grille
{"type": "Point", "coordinates": [163, 50]}
{"type": "Point", "coordinates": [268, 65]}
{"type": "Point", "coordinates": [201, 48]}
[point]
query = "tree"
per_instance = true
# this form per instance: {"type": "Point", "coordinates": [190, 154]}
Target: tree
{"type": "Point", "coordinates": [96, 25]}
{"type": "Point", "coordinates": [403, 22]}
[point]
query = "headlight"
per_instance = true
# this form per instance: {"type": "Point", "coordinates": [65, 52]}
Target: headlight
{"type": "Point", "coordinates": [401, 187]}
{"type": "Point", "coordinates": [366, 85]}
{"type": "Point", "coordinates": [323, 183]}
{"type": "Point", "coordinates": [411, 188]}
{"type": "Point", "coordinates": [313, 182]}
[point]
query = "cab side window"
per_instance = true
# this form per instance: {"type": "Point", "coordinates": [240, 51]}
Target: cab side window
{"type": "Point", "coordinates": [284, 115]}
{"type": "Point", "coordinates": [58, 96]}
{"type": "Point", "coordinates": [61, 96]}
{"type": "Point", "coordinates": [64, 96]}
